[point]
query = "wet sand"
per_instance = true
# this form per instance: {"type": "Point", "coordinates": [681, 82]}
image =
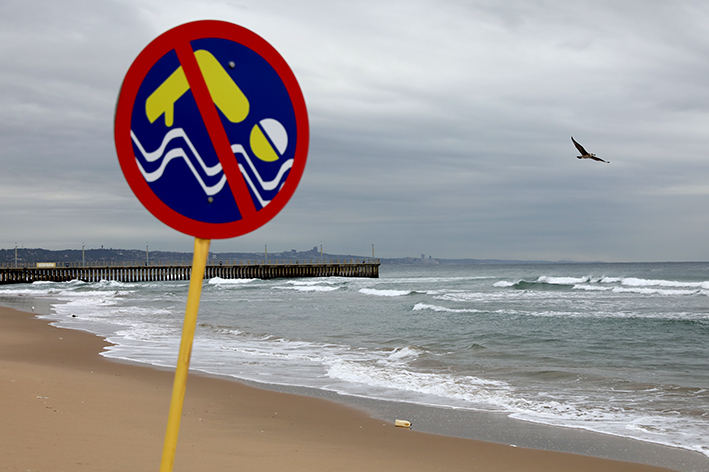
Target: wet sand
{"type": "Point", "coordinates": [66, 408]}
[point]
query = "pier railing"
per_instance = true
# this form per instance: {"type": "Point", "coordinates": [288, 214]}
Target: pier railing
{"type": "Point", "coordinates": [181, 270]}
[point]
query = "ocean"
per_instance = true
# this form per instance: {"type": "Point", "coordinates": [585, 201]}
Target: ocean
{"type": "Point", "coordinates": [618, 349]}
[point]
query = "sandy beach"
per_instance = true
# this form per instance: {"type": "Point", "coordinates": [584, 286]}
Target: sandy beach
{"type": "Point", "coordinates": [66, 408]}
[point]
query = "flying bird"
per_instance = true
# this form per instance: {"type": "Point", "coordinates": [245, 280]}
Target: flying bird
{"type": "Point", "coordinates": [585, 154]}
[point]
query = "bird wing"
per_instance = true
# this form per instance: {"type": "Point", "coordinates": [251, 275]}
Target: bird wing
{"type": "Point", "coordinates": [579, 147]}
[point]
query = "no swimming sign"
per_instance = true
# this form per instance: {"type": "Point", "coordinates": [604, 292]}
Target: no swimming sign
{"type": "Point", "coordinates": [211, 132]}
{"type": "Point", "coordinates": [211, 129]}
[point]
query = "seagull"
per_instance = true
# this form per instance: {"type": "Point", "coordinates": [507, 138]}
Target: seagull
{"type": "Point", "coordinates": [585, 154]}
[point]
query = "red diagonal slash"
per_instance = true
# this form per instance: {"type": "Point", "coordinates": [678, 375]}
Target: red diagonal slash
{"type": "Point", "coordinates": [216, 131]}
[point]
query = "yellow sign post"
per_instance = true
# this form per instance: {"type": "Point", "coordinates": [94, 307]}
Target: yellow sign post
{"type": "Point", "coordinates": [199, 262]}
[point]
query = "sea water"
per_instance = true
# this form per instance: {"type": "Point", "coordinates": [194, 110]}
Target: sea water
{"type": "Point", "coordinates": [620, 349]}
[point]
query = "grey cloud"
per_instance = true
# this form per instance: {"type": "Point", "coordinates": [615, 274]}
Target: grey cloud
{"type": "Point", "coordinates": [436, 127]}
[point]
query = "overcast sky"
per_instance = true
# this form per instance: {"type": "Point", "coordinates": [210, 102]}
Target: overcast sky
{"type": "Point", "coordinates": [437, 127]}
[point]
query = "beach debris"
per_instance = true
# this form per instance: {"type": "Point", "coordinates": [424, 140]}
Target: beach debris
{"type": "Point", "coordinates": [585, 154]}
{"type": "Point", "coordinates": [402, 424]}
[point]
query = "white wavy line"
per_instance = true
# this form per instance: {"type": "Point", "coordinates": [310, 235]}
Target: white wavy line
{"type": "Point", "coordinates": [176, 153]}
{"type": "Point", "coordinates": [271, 184]}
{"type": "Point", "coordinates": [174, 134]}
{"type": "Point", "coordinates": [210, 171]}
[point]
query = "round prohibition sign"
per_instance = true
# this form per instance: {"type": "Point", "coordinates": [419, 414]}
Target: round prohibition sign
{"type": "Point", "coordinates": [211, 129]}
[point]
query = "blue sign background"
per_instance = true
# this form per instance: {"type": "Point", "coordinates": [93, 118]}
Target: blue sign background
{"type": "Point", "coordinates": [178, 186]}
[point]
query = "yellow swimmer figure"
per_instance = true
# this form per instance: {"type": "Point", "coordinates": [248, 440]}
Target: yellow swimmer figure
{"type": "Point", "coordinates": [227, 96]}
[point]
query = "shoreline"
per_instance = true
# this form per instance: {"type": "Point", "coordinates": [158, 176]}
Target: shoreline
{"type": "Point", "coordinates": [68, 408]}
{"type": "Point", "coordinates": [499, 428]}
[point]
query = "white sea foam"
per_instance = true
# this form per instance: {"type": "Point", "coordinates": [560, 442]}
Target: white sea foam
{"type": "Point", "coordinates": [477, 297]}
{"type": "Point", "coordinates": [277, 349]}
{"type": "Point", "coordinates": [310, 285]}
{"type": "Point", "coordinates": [221, 281]}
{"type": "Point", "coordinates": [384, 293]}
{"type": "Point", "coordinates": [405, 353]}
{"type": "Point", "coordinates": [504, 284]}
{"type": "Point", "coordinates": [312, 282]}
{"type": "Point", "coordinates": [11, 291]}
{"type": "Point", "coordinates": [659, 428]}
{"type": "Point", "coordinates": [487, 394]}
{"type": "Point", "coordinates": [638, 282]}
{"type": "Point", "coordinates": [620, 285]}
{"type": "Point", "coordinates": [483, 393]}
{"type": "Point", "coordinates": [308, 288]}
{"type": "Point", "coordinates": [645, 290]}
{"type": "Point", "coordinates": [562, 280]}
{"type": "Point", "coordinates": [424, 306]}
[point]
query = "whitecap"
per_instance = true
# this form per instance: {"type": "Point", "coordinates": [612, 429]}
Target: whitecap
{"type": "Point", "coordinates": [384, 293]}
{"type": "Point", "coordinates": [562, 280]}
{"type": "Point", "coordinates": [424, 306]}
{"type": "Point", "coordinates": [504, 284]}
{"type": "Point", "coordinates": [221, 281]}
{"type": "Point", "coordinates": [308, 288]}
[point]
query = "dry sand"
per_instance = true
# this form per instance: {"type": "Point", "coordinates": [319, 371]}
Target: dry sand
{"type": "Point", "coordinates": [65, 408]}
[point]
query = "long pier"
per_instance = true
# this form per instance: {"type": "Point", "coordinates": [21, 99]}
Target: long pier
{"type": "Point", "coordinates": [137, 272]}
